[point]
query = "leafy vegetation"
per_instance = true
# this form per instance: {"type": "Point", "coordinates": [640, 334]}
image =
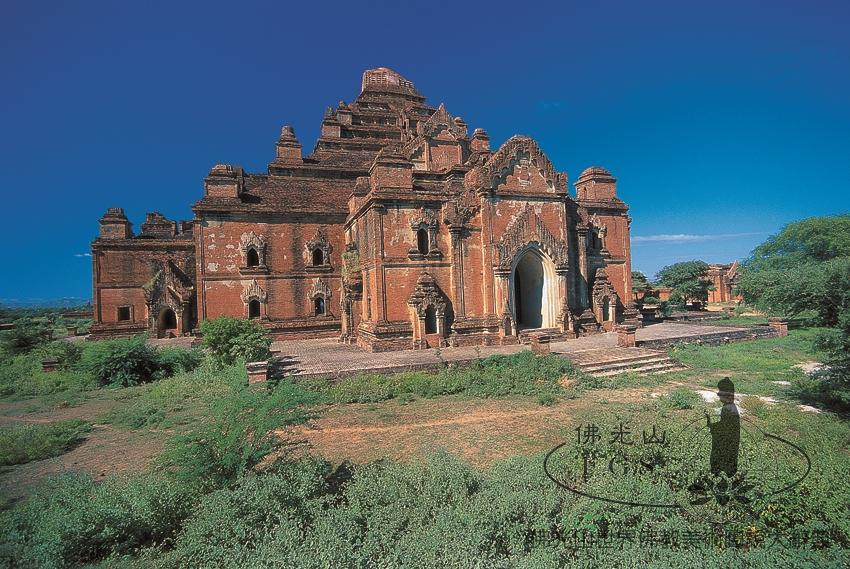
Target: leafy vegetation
{"type": "Point", "coordinates": [232, 339]}
{"type": "Point", "coordinates": [25, 442]}
{"type": "Point", "coordinates": [240, 433]}
{"type": "Point", "coordinates": [494, 376]}
{"type": "Point", "coordinates": [803, 269]}
{"type": "Point", "coordinates": [688, 281]}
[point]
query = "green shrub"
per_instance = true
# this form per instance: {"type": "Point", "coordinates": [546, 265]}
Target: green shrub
{"type": "Point", "coordinates": [681, 398]}
{"type": "Point", "coordinates": [25, 442]}
{"type": "Point", "coordinates": [238, 436]}
{"type": "Point", "coordinates": [72, 520]}
{"type": "Point", "coordinates": [173, 360]}
{"type": "Point", "coordinates": [181, 399]}
{"type": "Point", "coordinates": [27, 335]}
{"type": "Point", "coordinates": [653, 300]}
{"type": "Point", "coordinates": [231, 339]}
{"type": "Point", "coordinates": [121, 363]}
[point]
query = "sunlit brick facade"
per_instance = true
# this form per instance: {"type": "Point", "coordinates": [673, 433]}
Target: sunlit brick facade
{"type": "Point", "coordinates": [399, 230]}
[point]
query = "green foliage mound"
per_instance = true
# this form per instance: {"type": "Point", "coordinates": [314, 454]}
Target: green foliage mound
{"type": "Point", "coordinates": [131, 361]}
{"type": "Point", "coordinates": [73, 520]}
{"type": "Point", "coordinates": [25, 442]}
{"type": "Point", "coordinates": [232, 339]}
{"type": "Point", "coordinates": [240, 433]}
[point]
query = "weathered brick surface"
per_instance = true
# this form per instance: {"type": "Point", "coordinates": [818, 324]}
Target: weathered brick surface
{"type": "Point", "coordinates": [398, 231]}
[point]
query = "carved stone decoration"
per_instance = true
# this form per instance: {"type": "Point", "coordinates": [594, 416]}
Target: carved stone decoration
{"type": "Point", "coordinates": [600, 230]}
{"type": "Point", "coordinates": [602, 290]}
{"type": "Point", "coordinates": [321, 243]}
{"type": "Point", "coordinates": [442, 121]}
{"type": "Point", "coordinates": [253, 291]}
{"type": "Point", "coordinates": [527, 228]}
{"type": "Point", "coordinates": [427, 293]}
{"type": "Point", "coordinates": [320, 289]}
{"type": "Point", "coordinates": [425, 219]}
{"type": "Point", "coordinates": [501, 164]}
{"type": "Point", "coordinates": [256, 242]}
{"type": "Point", "coordinates": [169, 287]}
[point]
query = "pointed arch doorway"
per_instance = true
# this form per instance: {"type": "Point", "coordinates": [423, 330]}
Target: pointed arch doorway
{"type": "Point", "coordinates": [533, 290]}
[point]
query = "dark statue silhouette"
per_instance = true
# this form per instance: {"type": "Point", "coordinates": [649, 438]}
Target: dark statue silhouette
{"type": "Point", "coordinates": [725, 433]}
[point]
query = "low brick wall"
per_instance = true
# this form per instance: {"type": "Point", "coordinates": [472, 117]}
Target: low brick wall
{"type": "Point", "coordinates": [724, 337]}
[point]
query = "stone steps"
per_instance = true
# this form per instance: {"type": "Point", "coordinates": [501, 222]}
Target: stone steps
{"type": "Point", "coordinates": [553, 334]}
{"type": "Point", "coordinates": [610, 362]}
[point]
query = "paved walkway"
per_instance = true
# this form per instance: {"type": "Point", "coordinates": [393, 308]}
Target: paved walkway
{"type": "Point", "coordinates": [327, 357]}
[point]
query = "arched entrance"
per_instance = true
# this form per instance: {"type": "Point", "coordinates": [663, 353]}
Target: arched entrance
{"type": "Point", "coordinates": [166, 324]}
{"type": "Point", "coordinates": [533, 293]}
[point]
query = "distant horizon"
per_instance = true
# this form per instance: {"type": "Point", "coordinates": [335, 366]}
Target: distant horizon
{"type": "Point", "coordinates": [718, 129]}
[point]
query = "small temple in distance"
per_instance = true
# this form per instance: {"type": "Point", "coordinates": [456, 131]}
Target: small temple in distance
{"type": "Point", "coordinates": [400, 230]}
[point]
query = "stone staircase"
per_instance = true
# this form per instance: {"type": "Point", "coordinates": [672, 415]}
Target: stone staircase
{"type": "Point", "coordinates": [553, 334]}
{"type": "Point", "coordinates": [613, 361]}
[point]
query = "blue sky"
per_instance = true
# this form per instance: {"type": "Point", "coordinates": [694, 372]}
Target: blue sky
{"type": "Point", "coordinates": [722, 121]}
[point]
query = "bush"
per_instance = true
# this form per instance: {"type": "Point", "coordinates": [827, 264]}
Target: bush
{"type": "Point", "coordinates": [72, 520]}
{"type": "Point", "coordinates": [175, 360]}
{"type": "Point", "coordinates": [231, 339]}
{"type": "Point", "coordinates": [27, 335]}
{"type": "Point", "coordinates": [653, 300]}
{"type": "Point", "coordinates": [131, 361]}
{"type": "Point", "coordinates": [121, 363]}
{"type": "Point", "coordinates": [25, 442]}
{"type": "Point", "coordinates": [240, 434]}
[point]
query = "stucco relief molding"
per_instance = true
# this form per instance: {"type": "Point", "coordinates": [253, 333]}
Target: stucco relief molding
{"type": "Point", "coordinates": [528, 228]}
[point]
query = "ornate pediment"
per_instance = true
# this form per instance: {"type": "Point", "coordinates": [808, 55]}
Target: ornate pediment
{"type": "Point", "coordinates": [253, 291]}
{"type": "Point", "coordinates": [528, 228]}
{"type": "Point", "coordinates": [441, 121]}
{"type": "Point", "coordinates": [520, 163]}
{"type": "Point", "coordinates": [602, 287]}
{"type": "Point", "coordinates": [320, 289]}
{"type": "Point", "coordinates": [252, 240]}
{"type": "Point", "coordinates": [427, 293]}
{"type": "Point", "coordinates": [169, 286]}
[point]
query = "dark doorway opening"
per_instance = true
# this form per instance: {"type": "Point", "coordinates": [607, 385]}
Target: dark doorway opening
{"type": "Point", "coordinates": [430, 320]}
{"type": "Point", "coordinates": [167, 323]}
{"type": "Point", "coordinates": [528, 291]}
{"type": "Point", "coordinates": [254, 308]}
{"type": "Point", "coordinates": [319, 306]}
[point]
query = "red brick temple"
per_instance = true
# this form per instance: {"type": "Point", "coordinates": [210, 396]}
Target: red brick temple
{"type": "Point", "coordinates": [399, 230]}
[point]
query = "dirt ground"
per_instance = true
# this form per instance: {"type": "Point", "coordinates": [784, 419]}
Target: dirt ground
{"type": "Point", "coordinates": [106, 450]}
{"type": "Point", "coordinates": [482, 431]}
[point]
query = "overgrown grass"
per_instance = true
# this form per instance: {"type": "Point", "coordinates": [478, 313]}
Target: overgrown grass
{"type": "Point", "coordinates": [176, 401]}
{"type": "Point", "coordinates": [437, 513]}
{"type": "Point", "coordinates": [753, 365]}
{"type": "Point", "coordinates": [494, 376]}
{"type": "Point", "coordinates": [26, 442]}
{"type": "Point", "coordinates": [84, 367]}
{"type": "Point", "coordinates": [681, 398]}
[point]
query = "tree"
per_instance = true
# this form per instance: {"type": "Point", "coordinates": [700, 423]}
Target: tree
{"type": "Point", "coordinates": [803, 267]}
{"type": "Point", "coordinates": [815, 239]}
{"type": "Point", "coordinates": [231, 339]}
{"type": "Point", "coordinates": [688, 279]}
{"type": "Point", "coordinates": [639, 282]}
{"type": "Point", "coordinates": [806, 268]}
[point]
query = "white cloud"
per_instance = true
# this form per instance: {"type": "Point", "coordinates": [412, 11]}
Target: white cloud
{"type": "Point", "coordinates": [82, 254]}
{"type": "Point", "coordinates": [687, 237]}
